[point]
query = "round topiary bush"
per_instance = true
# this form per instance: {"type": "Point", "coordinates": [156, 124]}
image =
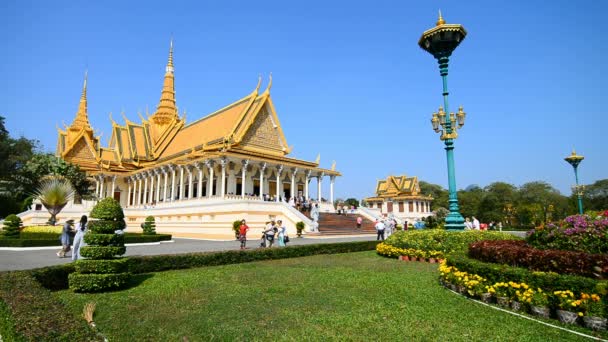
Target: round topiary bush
{"type": "Point", "coordinates": [12, 226]}
{"type": "Point", "coordinates": [103, 269]}
{"type": "Point", "coordinates": [149, 227]}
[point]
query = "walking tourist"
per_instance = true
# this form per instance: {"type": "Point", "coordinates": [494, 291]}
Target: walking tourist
{"type": "Point", "coordinates": [65, 238]}
{"type": "Point", "coordinates": [359, 221]}
{"type": "Point", "coordinates": [379, 230]}
{"type": "Point", "coordinates": [282, 231]}
{"type": "Point", "coordinates": [476, 225]}
{"type": "Point", "coordinates": [468, 225]}
{"type": "Point", "coordinates": [268, 235]}
{"type": "Point", "coordinates": [243, 234]}
{"type": "Point", "coordinates": [81, 228]}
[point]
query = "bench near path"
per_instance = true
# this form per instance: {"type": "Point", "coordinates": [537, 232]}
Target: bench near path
{"type": "Point", "coordinates": [45, 256]}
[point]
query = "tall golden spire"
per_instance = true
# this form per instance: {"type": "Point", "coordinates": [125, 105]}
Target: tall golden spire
{"type": "Point", "coordinates": [82, 117]}
{"type": "Point", "coordinates": [440, 21]}
{"type": "Point", "coordinates": [166, 111]}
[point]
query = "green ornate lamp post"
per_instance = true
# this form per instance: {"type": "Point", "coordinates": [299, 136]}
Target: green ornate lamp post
{"type": "Point", "coordinates": [574, 159]}
{"type": "Point", "coordinates": [440, 41]}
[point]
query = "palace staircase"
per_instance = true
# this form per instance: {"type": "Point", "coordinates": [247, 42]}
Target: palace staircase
{"type": "Point", "coordinates": [334, 224]}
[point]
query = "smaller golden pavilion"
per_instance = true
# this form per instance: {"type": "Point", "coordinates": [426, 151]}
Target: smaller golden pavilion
{"type": "Point", "coordinates": [400, 196]}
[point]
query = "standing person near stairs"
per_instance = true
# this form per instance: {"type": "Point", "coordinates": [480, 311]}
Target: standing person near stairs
{"type": "Point", "coordinates": [359, 221]}
{"type": "Point", "coordinates": [379, 230]}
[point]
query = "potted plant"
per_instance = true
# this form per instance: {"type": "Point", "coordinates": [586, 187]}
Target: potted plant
{"type": "Point", "coordinates": [594, 311]}
{"type": "Point", "coordinates": [299, 228]}
{"type": "Point", "coordinates": [566, 303]}
{"type": "Point", "coordinates": [515, 292]}
{"type": "Point", "coordinates": [501, 290]}
{"type": "Point", "coordinates": [539, 302]}
{"type": "Point", "coordinates": [236, 225]}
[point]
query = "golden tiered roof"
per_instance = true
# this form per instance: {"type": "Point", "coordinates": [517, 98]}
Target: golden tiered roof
{"type": "Point", "coordinates": [396, 188]}
{"type": "Point", "coordinates": [247, 128]}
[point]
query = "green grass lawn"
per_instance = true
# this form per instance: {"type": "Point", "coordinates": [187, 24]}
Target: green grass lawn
{"type": "Point", "coordinates": [356, 296]}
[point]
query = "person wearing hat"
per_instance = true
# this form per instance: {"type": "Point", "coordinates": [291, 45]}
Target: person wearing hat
{"type": "Point", "coordinates": [65, 238]}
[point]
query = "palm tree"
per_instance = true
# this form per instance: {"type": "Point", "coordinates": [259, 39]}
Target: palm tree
{"type": "Point", "coordinates": [54, 193]}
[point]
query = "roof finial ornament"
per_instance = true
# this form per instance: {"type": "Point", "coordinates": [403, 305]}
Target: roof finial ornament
{"type": "Point", "coordinates": [170, 62]}
{"type": "Point", "coordinates": [84, 86]}
{"type": "Point", "coordinates": [318, 160]}
{"type": "Point", "coordinates": [440, 21]}
{"type": "Point", "coordinates": [259, 83]}
{"type": "Point", "coordinates": [269, 84]}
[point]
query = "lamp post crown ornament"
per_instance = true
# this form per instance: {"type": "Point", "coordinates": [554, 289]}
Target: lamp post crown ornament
{"type": "Point", "coordinates": [442, 39]}
{"type": "Point", "coordinates": [574, 159]}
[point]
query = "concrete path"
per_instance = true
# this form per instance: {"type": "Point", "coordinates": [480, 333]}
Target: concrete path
{"type": "Point", "coordinates": [41, 257]}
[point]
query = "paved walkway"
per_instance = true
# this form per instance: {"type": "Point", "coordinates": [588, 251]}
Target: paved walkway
{"type": "Point", "coordinates": [41, 257]}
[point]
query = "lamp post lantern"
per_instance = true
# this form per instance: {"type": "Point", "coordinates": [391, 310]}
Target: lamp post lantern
{"type": "Point", "coordinates": [574, 159]}
{"type": "Point", "coordinates": [440, 41]}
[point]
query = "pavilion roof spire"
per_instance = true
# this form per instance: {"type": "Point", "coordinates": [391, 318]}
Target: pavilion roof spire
{"type": "Point", "coordinates": [166, 111]}
{"type": "Point", "coordinates": [440, 21]}
{"type": "Point", "coordinates": [82, 116]}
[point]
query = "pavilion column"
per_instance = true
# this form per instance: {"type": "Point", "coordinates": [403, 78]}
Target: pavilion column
{"type": "Point", "coordinates": [190, 171]}
{"type": "Point", "coordinates": [165, 171]}
{"type": "Point", "coordinates": [134, 198]}
{"type": "Point", "coordinates": [151, 191]}
{"type": "Point", "coordinates": [279, 171]}
{"type": "Point", "coordinates": [181, 182]}
{"type": "Point", "coordinates": [96, 187]}
{"type": "Point", "coordinates": [332, 180]}
{"type": "Point", "coordinates": [113, 186]}
{"type": "Point", "coordinates": [199, 187]}
{"type": "Point", "coordinates": [138, 188]}
{"type": "Point", "coordinates": [157, 172]}
{"type": "Point", "coordinates": [129, 191]}
{"type": "Point", "coordinates": [223, 163]}
{"type": "Point", "coordinates": [306, 183]}
{"type": "Point", "coordinates": [292, 191]}
{"type": "Point", "coordinates": [209, 164]}
{"type": "Point", "coordinates": [243, 175]}
{"type": "Point", "coordinates": [173, 183]}
{"type": "Point", "coordinates": [145, 200]}
{"type": "Point", "coordinates": [262, 171]}
{"type": "Point", "coordinates": [101, 180]}
{"type": "Point", "coordinates": [320, 179]}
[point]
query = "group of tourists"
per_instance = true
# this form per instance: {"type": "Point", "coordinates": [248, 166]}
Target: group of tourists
{"type": "Point", "coordinates": [274, 231]}
{"type": "Point", "coordinates": [385, 227]}
{"type": "Point", "coordinates": [66, 233]}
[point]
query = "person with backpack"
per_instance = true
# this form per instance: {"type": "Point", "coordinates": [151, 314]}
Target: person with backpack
{"type": "Point", "coordinates": [243, 234]}
{"type": "Point", "coordinates": [81, 228]}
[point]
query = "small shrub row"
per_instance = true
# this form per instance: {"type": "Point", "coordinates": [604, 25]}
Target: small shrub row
{"type": "Point", "coordinates": [102, 252]}
{"type": "Point", "coordinates": [29, 243]}
{"type": "Point", "coordinates": [141, 238]}
{"type": "Point", "coordinates": [443, 241]}
{"type": "Point", "coordinates": [97, 282]}
{"type": "Point", "coordinates": [34, 314]}
{"type": "Point", "coordinates": [102, 266]}
{"type": "Point", "coordinates": [520, 254]}
{"type": "Point", "coordinates": [54, 240]}
{"type": "Point", "coordinates": [581, 233]}
{"type": "Point", "coordinates": [395, 252]}
{"type": "Point", "coordinates": [549, 281]}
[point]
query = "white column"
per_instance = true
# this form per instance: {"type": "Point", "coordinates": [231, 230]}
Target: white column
{"type": "Point", "coordinates": [292, 191]}
{"type": "Point", "coordinates": [96, 187]}
{"type": "Point", "coordinates": [262, 171]}
{"type": "Point", "coordinates": [113, 186]}
{"type": "Point", "coordinates": [138, 189]}
{"type": "Point", "coordinates": [182, 188]}
{"type": "Point", "coordinates": [145, 175]}
{"type": "Point", "coordinates": [151, 192]}
{"type": "Point", "coordinates": [332, 179]}
{"type": "Point", "coordinates": [319, 180]}
{"type": "Point", "coordinates": [243, 174]}
{"type": "Point", "coordinates": [199, 188]}
{"type": "Point", "coordinates": [129, 191]}
{"type": "Point", "coordinates": [165, 171]}
{"type": "Point", "coordinates": [102, 180]}
{"type": "Point", "coordinates": [172, 183]}
{"type": "Point", "coordinates": [157, 197]}
{"type": "Point", "coordinates": [190, 190]}
{"type": "Point", "coordinates": [223, 183]}
{"type": "Point", "coordinates": [279, 170]}
{"type": "Point", "coordinates": [209, 164]}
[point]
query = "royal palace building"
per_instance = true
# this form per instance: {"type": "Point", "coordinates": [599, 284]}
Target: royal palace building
{"type": "Point", "coordinates": [195, 177]}
{"type": "Point", "coordinates": [400, 196]}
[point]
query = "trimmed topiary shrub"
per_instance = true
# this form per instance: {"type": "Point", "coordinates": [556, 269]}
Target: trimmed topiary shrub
{"type": "Point", "coordinates": [12, 227]}
{"type": "Point", "coordinates": [149, 226]}
{"type": "Point", "coordinates": [102, 271]}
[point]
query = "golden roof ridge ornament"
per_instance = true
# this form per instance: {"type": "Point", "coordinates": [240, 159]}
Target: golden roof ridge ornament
{"type": "Point", "coordinates": [440, 21]}
{"type": "Point", "coordinates": [169, 67]}
{"type": "Point", "coordinates": [269, 84]}
{"type": "Point", "coordinates": [257, 88]}
{"type": "Point", "coordinates": [167, 111]}
{"type": "Point", "coordinates": [318, 160]}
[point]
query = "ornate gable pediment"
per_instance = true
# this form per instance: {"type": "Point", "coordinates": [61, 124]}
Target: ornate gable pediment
{"type": "Point", "coordinates": [264, 135]}
{"type": "Point", "coordinates": [81, 151]}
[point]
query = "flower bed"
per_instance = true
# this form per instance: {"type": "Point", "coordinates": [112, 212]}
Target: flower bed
{"type": "Point", "coordinates": [520, 254]}
{"type": "Point", "coordinates": [521, 296]}
{"type": "Point", "coordinates": [395, 252]}
{"type": "Point", "coordinates": [575, 233]}
{"type": "Point", "coordinates": [441, 240]}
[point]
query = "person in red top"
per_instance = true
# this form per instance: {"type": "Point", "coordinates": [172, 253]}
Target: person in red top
{"type": "Point", "coordinates": [243, 234]}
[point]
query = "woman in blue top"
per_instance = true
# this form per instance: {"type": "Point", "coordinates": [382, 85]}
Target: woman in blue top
{"type": "Point", "coordinates": [282, 231]}
{"type": "Point", "coordinates": [65, 238]}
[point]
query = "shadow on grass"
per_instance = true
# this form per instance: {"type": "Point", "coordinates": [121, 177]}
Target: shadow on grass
{"type": "Point", "coordinates": [136, 280]}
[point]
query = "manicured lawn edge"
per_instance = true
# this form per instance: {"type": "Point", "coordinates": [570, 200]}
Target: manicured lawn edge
{"type": "Point", "coordinates": [34, 314]}
{"type": "Point", "coordinates": [129, 238]}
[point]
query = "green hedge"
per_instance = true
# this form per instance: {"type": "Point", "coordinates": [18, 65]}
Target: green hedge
{"type": "Point", "coordinates": [31, 313]}
{"type": "Point", "coordinates": [108, 209]}
{"type": "Point", "coordinates": [104, 227]}
{"type": "Point", "coordinates": [104, 239]}
{"type": "Point", "coordinates": [102, 252]}
{"type": "Point", "coordinates": [54, 277]}
{"type": "Point", "coordinates": [39, 236]}
{"type": "Point", "coordinates": [442, 240]}
{"type": "Point", "coordinates": [96, 282]}
{"type": "Point", "coordinates": [29, 243]}
{"type": "Point", "coordinates": [102, 266]}
{"type": "Point", "coordinates": [548, 281]}
{"type": "Point", "coordinates": [140, 238]}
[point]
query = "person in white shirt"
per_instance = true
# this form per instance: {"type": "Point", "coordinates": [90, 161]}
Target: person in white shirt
{"type": "Point", "coordinates": [380, 230]}
{"type": "Point", "coordinates": [81, 228]}
{"type": "Point", "coordinates": [475, 223]}
{"type": "Point", "coordinates": [468, 225]}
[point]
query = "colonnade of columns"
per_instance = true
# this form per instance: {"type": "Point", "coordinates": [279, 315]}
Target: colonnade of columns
{"type": "Point", "coordinates": [408, 206]}
{"type": "Point", "coordinates": [215, 178]}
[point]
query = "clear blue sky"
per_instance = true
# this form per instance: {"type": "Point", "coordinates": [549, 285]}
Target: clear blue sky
{"type": "Point", "coordinates": [350, 81]}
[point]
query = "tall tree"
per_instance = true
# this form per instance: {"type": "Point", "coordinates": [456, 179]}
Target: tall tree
{"type": "Point", "coordinates": [440, 195]}
{"type": "Point", "coordinates": [595, 196]}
